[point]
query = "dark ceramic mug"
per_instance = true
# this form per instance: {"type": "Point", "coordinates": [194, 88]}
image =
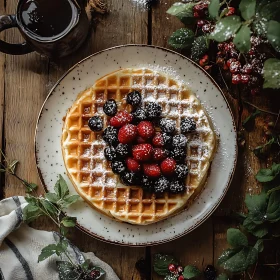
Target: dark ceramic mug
{"type": "Point", "coordinates": [41, 35]}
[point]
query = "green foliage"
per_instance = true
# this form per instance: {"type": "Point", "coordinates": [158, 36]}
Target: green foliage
{"type": "Point", "coordinates": [225, 28]}
{"type": "Point", "coordinates": [214, 8]}
{"type": "Point", "coordinates": [250, 119]}
{"type": "Point", "coordinates": [259, 246]}
{"type": "Point", "coordinates": [236, 238]}
{"type": "Point", "coordinates": [262, 151]}
{"type": "Point", "coordinates": [273, 34]}
{"type": "Point", "coordinates": [222, 277]}
{"type": "Point", "coordinates": [161, 263]}
{"type": "Point", "coordinates": [181, 39]}
{"type": "Point", "coordinates": [271, 73]}
{"type": "Point", "coordinates": [268, 174]}
{"type": "Point", "coordinates": [69, 221]}
{"type": "Point", "coordinates": [61, 188]}
{"type": "Point", "coordinates": [53, 249]}
{"type": "Point", "coordinates": [184, 12]}
{"type": "Point", "coordinates": [247, 8]}
{"type": "Point", "coordinates": [242, 39]}
{"type": "Point", "coordinates": [191, 272]}
{"type": "Point", "coordinates": [31, 213]}
{"type": "Point", "coordinates": [199, 47]}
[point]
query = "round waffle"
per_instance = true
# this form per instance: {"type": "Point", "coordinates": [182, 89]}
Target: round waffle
{"type": "Point", "coordinates": [83, 149]}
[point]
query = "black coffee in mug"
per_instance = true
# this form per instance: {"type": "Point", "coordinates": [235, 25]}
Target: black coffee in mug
{"type": "Point", "coordinates": [55, 28]}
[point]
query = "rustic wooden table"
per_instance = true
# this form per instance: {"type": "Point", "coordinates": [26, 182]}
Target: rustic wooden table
{"type": "Point", "coordinates": [24, 84]}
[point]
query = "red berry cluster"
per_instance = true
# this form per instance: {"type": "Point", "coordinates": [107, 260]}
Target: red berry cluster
{"type": "Point", "coordinates": [176, 270]}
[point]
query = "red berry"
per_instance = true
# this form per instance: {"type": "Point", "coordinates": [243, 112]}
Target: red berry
{"type": "Point", "coordinates": [252, 51]}
{"type": "Point", "coordinates": [120, 119]}
{"type": "Point", "coordinates": [168, 166]}
{"type": "Point", "coordinates": [180, 269]}
{"type": "Point", "coordinates": [172, 268]}
{"type": "Point", "coordinates": [142, 152]}
{"type": "Point", "coordinates": [159, 154]}
{"type": "Point", "coordinates": [227, 47]}
{"type": "Point", "coordinates": [141, 140]}
{"type": "Point", "coordinates": [196, 15]}
{"type": "Point", "coordinates": [207, 28]}
{"type": "Point", "coordinates": [244, 79]}
{"type": "Point", "coordinates": [133, 165]}
{"type": "Point", "coordinates": [221, 46]}
{"type": "Point", "coordinates": [146, 129]}
{"type": "Point", "coordinates": [204, 60]}
{"type": "Point", "coordinates": [200, 22]}
{"type": "Point", "coordinates": [247, 69]}
{"type": "Point", "coordinates": [152, 170]}
{"type": "Point", "coordinates": [127, 133]}
{"type": "Point", "coordinates": [231, 11]}
{"type": "Point", "coordinates": [235, 67]}
{"type": "Point", "coordinates": [181, 277]}
{"type": "Point", "coordinates": [95, 273]}
{"type": "Point", "coordinates": [231, 60]}
{"type": "Point", "coordinates": [158, 140]}
{"type": "Point", "coordinates": [236, 79]}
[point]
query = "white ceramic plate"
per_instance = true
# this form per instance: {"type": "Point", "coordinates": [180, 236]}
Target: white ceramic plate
{"type": "Point", "coordinates": [83, 75]}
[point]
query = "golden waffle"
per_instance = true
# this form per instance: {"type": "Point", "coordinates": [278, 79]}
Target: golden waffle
{"type": "Point", "coordinates": [83, 149]}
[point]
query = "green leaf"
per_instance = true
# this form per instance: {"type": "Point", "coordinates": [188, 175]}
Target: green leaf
{"type": "Point", "coordinates": [47, 252]}
{"type": "Point", "coordinates": [30, 187]}
{"type": "Point", "coordinates": [250, 119]}
{"type": "Point", "coordinates": [257, 205]}
{"type": "Point", "coordinates": [181, 39]}
{"type": "Point", "coordinates": [191, 271]}
{"type": "Point", "coordinates": [184, 12]}
{"type": "Point", "coordinates": [271, 73]}
{"type": "Point", "coordinates": [226, 255]}
{"type": "Point", "coordinates": [199, 47]}
{"type": "Point", "coordinates": [273, 190]}
{"type": "Point", "coordinates": [222, 277]}
{"type": "Point", "coordinates": [49, 207]}
{"type": "Point", "coordinates": [161, 263]}
{"type": "Point", "coordinates": [263, 150]}
{"type": "Point", "coordinates": [66, 271]}
{"type": "Point", "coordinates": [236, 238]}
{"type": "Point", "coordinates": [52, 197]}
{"type": "Point", "coordinates": [214, 8]}
{"type": "Point", "coordinates": [61, 188]}
{"type": "Point", "coordinates": [273, 208]}
{"type": "Point", "coordinates": [240, 260]}
{"type": "Point", "coordinates": [86, 264]}
{"type": "Point", "coordinates": [273, 34]}
{"type": "Point", "coordinates": [268, 174]}
{"type": "Point", "coordinates": [242, 39]}
{"type": "Point", "coordinates": [259, 246]}
{"type": "Point", "coordinates": [225, 28]}
{"type": "Point", "coordinates": [32, 200]}
{"type": "Point", "coordinates": [31, 213]}
{"type": "Point", "coordinates": [13, 166]}
{"type": "Point", "coordinates": [69, 221]}
{"type": "Point", "coordinates": [67, 201]}
{"type": "Point", "coordinates": [258, 230]}
{"type": "Point", "coordinates": [62, 246]}
{"type": "Point", "coordinates": [247, 8]}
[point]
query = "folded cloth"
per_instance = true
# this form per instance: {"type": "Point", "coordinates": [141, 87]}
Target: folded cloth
{"type": "Point", "coordinates": [20, 246]}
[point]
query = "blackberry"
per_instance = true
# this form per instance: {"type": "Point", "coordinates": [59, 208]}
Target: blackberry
{"type": "Point", "coordinates": [129, 178]}
{"type": "Point", "coordinates": [118, 167]}
{"type": "Point", "coordinates": [179, 154]}
{"type": "Point", "coordinates": [95, 123]}
{"type": "Point", "coordinates": [110, 153]}
{"type": "Point", "coordinates": [167, 125]}
{"type": "Point", "coordinates": [110, 136]}
{"type": "Point", "coordinates": [139, 115]}
{"type": "Point", "coordinates": [153, 110]}
{"type": "Point", "coordinates": [167, 139]}
{"type": "Point", "coordinates": [210, 272]}
{"type": "Point", "coordinates": [122, 150]}
{"type": "Point", "coordinates": [161, 185]}
{"type": "Point", "coordinates": [177, 186]}
{"type": "Point", "coordinates": [110, 107]}
{"type": "Point", "coordinates": [187, 125]}
{"type": "Point", "coordinates": [179, 140]}
{"type": "Point", "coordinates": [181, 171]}
{"type": "Point", "coordinates": [134, 98]}
{"type": "Point", "coordinates": [147, 183]}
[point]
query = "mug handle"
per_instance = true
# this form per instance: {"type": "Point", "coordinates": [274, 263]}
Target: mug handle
{"type": "Point", "coordinates": [6, 22]}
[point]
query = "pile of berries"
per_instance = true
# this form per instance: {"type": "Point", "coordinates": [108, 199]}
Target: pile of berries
{"type": "Point", "coordinates": [176, 270]}
{"type": "Point", "coordinates": [143, 148]}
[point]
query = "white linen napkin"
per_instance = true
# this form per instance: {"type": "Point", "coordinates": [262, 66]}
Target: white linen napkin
{"type": "Point", "coordinates": [20, 246]}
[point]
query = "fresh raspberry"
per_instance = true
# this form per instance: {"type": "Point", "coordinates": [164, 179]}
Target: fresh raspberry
{"type": "Point", "coordinates": [204, 60]}
{"type": "Point", "coordinates": [230, 61]}
{"type": "Point", "coordinates": [179, 269]}
{"type": "Point", "coordinates": [142, 152]}
{"type": "Point", "coordinates": [152, 170]}
{"type": "Point", "coordinates": [168, 166]}
{"type": "Point", "coordinates": [236, 79]}
{"type": "Point", "coordinates": [247, 69]}
{"type": "Point", "coordinates": [141, 140]}
{"type": "Point", "coordinates": [159, 154]}
{"type": "Point", "coordinates": [196, 15]}
{"type": "Point", "coordinates": [181, 277]}
{"type": "Point", "coordinates": [127, 133]}
{"type": "Point", "coordinates": [244, 79]}
{"type": "Point", "coordinates": [235, 67]}
{"type": "Point", "coordinates": [201, 22]}
{"type": "Point", "coordinates": [207, 28]}
{"type": "Point", "coordinates": [172, 268]}
{"type": "Point", "coordinates": [146, 129]}
{"type": "Point", "coordinates": [158, 140]}
{"type": "Point", "coordinates": [120, 119]}
{"type": "Point", "coordinates": [133, 165]}
{"type": "Point", "coordinates": [231, 11]}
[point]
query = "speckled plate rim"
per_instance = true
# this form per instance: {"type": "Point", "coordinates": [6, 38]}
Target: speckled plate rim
{"type": "Point", "coordinates": [215, 206]}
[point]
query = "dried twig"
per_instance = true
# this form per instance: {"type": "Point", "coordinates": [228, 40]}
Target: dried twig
{"type": "Point", "coordinates": [262, 110]}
